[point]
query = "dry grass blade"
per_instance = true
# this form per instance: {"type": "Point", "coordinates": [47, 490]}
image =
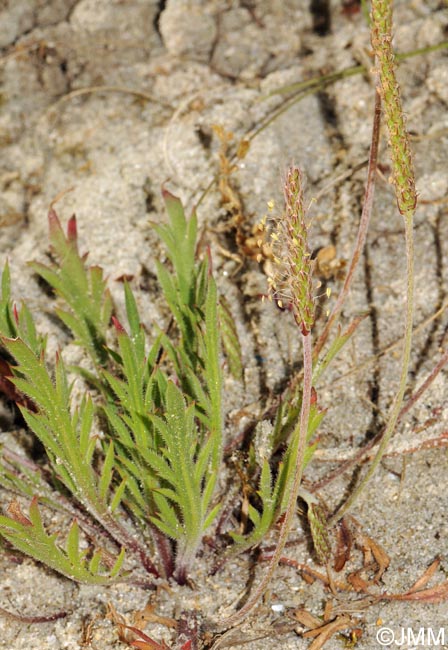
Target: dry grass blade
{"type": "Point", "coordinates": [323, 633]}
{"type": "Point", "coordinates": [432, 595]}
{"type": "Point", "coordinates": [132, 635]}
{"type": "Point", "coordinates": [307, 619]}
{"type": "Point", "coordinates": [426, 577]}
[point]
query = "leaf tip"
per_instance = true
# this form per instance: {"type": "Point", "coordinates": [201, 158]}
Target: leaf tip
{"type": "Point", "coordinates": [118, 326]}
{"type": "Point", "coordinates": [54, 223]}
{"type": "Point", "coordinates": [72, 231]}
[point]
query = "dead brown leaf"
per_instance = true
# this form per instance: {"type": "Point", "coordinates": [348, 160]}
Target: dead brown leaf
{"type": "Point", "coordinates": [147, 615]}
{"type": "Point", "coordinates": [426, 577]}
{"type": "Point", "coordinates": [323, 633]}
{"type": "Point", "coordinates": [307, 619]}
{"type": "Point", "coordinates": [432, 595]}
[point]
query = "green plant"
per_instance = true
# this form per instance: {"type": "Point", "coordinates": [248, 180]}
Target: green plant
{"type": "Point", "coordinates": [135, 460]}
{"type": "Point", "coordinates": [161, 453]}
{"type": "Point", "coordinates": [159, 403]}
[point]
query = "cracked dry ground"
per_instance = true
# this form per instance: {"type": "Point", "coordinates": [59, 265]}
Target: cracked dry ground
{"type": "Point", "coordinates": [113, 98]}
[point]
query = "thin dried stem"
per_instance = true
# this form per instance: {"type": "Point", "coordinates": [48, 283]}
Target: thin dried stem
{"type": "Point", "coordinates": [362, 230]}
{"type": "Point", "coordinates": [356, 458]}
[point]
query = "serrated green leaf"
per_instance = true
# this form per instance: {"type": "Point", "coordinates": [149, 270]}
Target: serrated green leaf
{"type": "Point", "coordinates": [118, 495]}
{"type": "Point", "coordinates": [254, 515]}
{"type": "Point", "coordinates": [169, 531]}
{"type": "Point", "coordinates": [230, 340]}
{"type": "Point", "coordinates": [27, 331]}
{"type": "Point", "coordinates": [211, 516]}
{"type": "Point", "coordinates": [170, 293]}
{"type": "Point", "coordinates": [83, 289]}
{"type": "Point", "coordinates": [161, 447]}
{"type": "Point", "coordinates": [115, 570]}
{"type": "Point", "coordinates": [166, 516]}
{"type": "Point", "coordinates": [86, 442]}
{"type": "Point", "coordinates": [171, 495]}
{"type": "Point", "coordinates": [72, 544]}
{"type": "Point", "coordinates": [50, 276]}
{"type": "Point", "coordinates": [6, 283]}
{"type": "Point", "coordinates": [95, 562]}
{"type": "Point", "coordinates": [132, 313]}
{"type": "Point", "coordinates": [33, 540]}
{"type": "Point", "coordinates": [161, 467]}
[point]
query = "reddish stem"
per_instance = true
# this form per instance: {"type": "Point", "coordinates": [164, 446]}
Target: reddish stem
{"type": "Point", "coordinates": [362, 230]}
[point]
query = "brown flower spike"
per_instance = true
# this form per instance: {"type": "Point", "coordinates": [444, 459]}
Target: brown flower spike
{"type": "Point", "coordinates": [403, 172]}
{"type": "Point", "coordinates": [292, 277]}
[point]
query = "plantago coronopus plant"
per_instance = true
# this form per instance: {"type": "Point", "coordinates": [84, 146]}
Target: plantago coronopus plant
{"type": "Point", "coordinates": [137, 461]}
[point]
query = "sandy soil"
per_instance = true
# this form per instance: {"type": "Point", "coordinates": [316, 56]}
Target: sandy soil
{"type": "Point", "coordinates": [114, 98]}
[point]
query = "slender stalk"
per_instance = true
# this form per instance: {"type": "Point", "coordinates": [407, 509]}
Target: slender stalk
{"type": "Point", "coordinates": [377, 439]}
{"type": "Point", "coordinates": [404, 181]}
{"type": "Point", "coordinates": [301, 432]}
{"type": "Point", "coordinates": [396, 406]}
{"type": "Point", "coordinates": [362, 230]}
{"type": "Point", "coordinates": [320, 82]}
{"type": "Point", "coordinates": [292, 280]}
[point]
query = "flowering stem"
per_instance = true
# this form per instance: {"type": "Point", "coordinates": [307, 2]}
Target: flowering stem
{"type": "Point", "coordinates": [404, 180]}
{"type": "Point", "coordinates": [292, 280]}
{"type": "Point", "coordinates": [396, 406]}
{"type": "Point", "coordinates": [301, 432]}
{"type": "Point", "coordinates": [362, 230]}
